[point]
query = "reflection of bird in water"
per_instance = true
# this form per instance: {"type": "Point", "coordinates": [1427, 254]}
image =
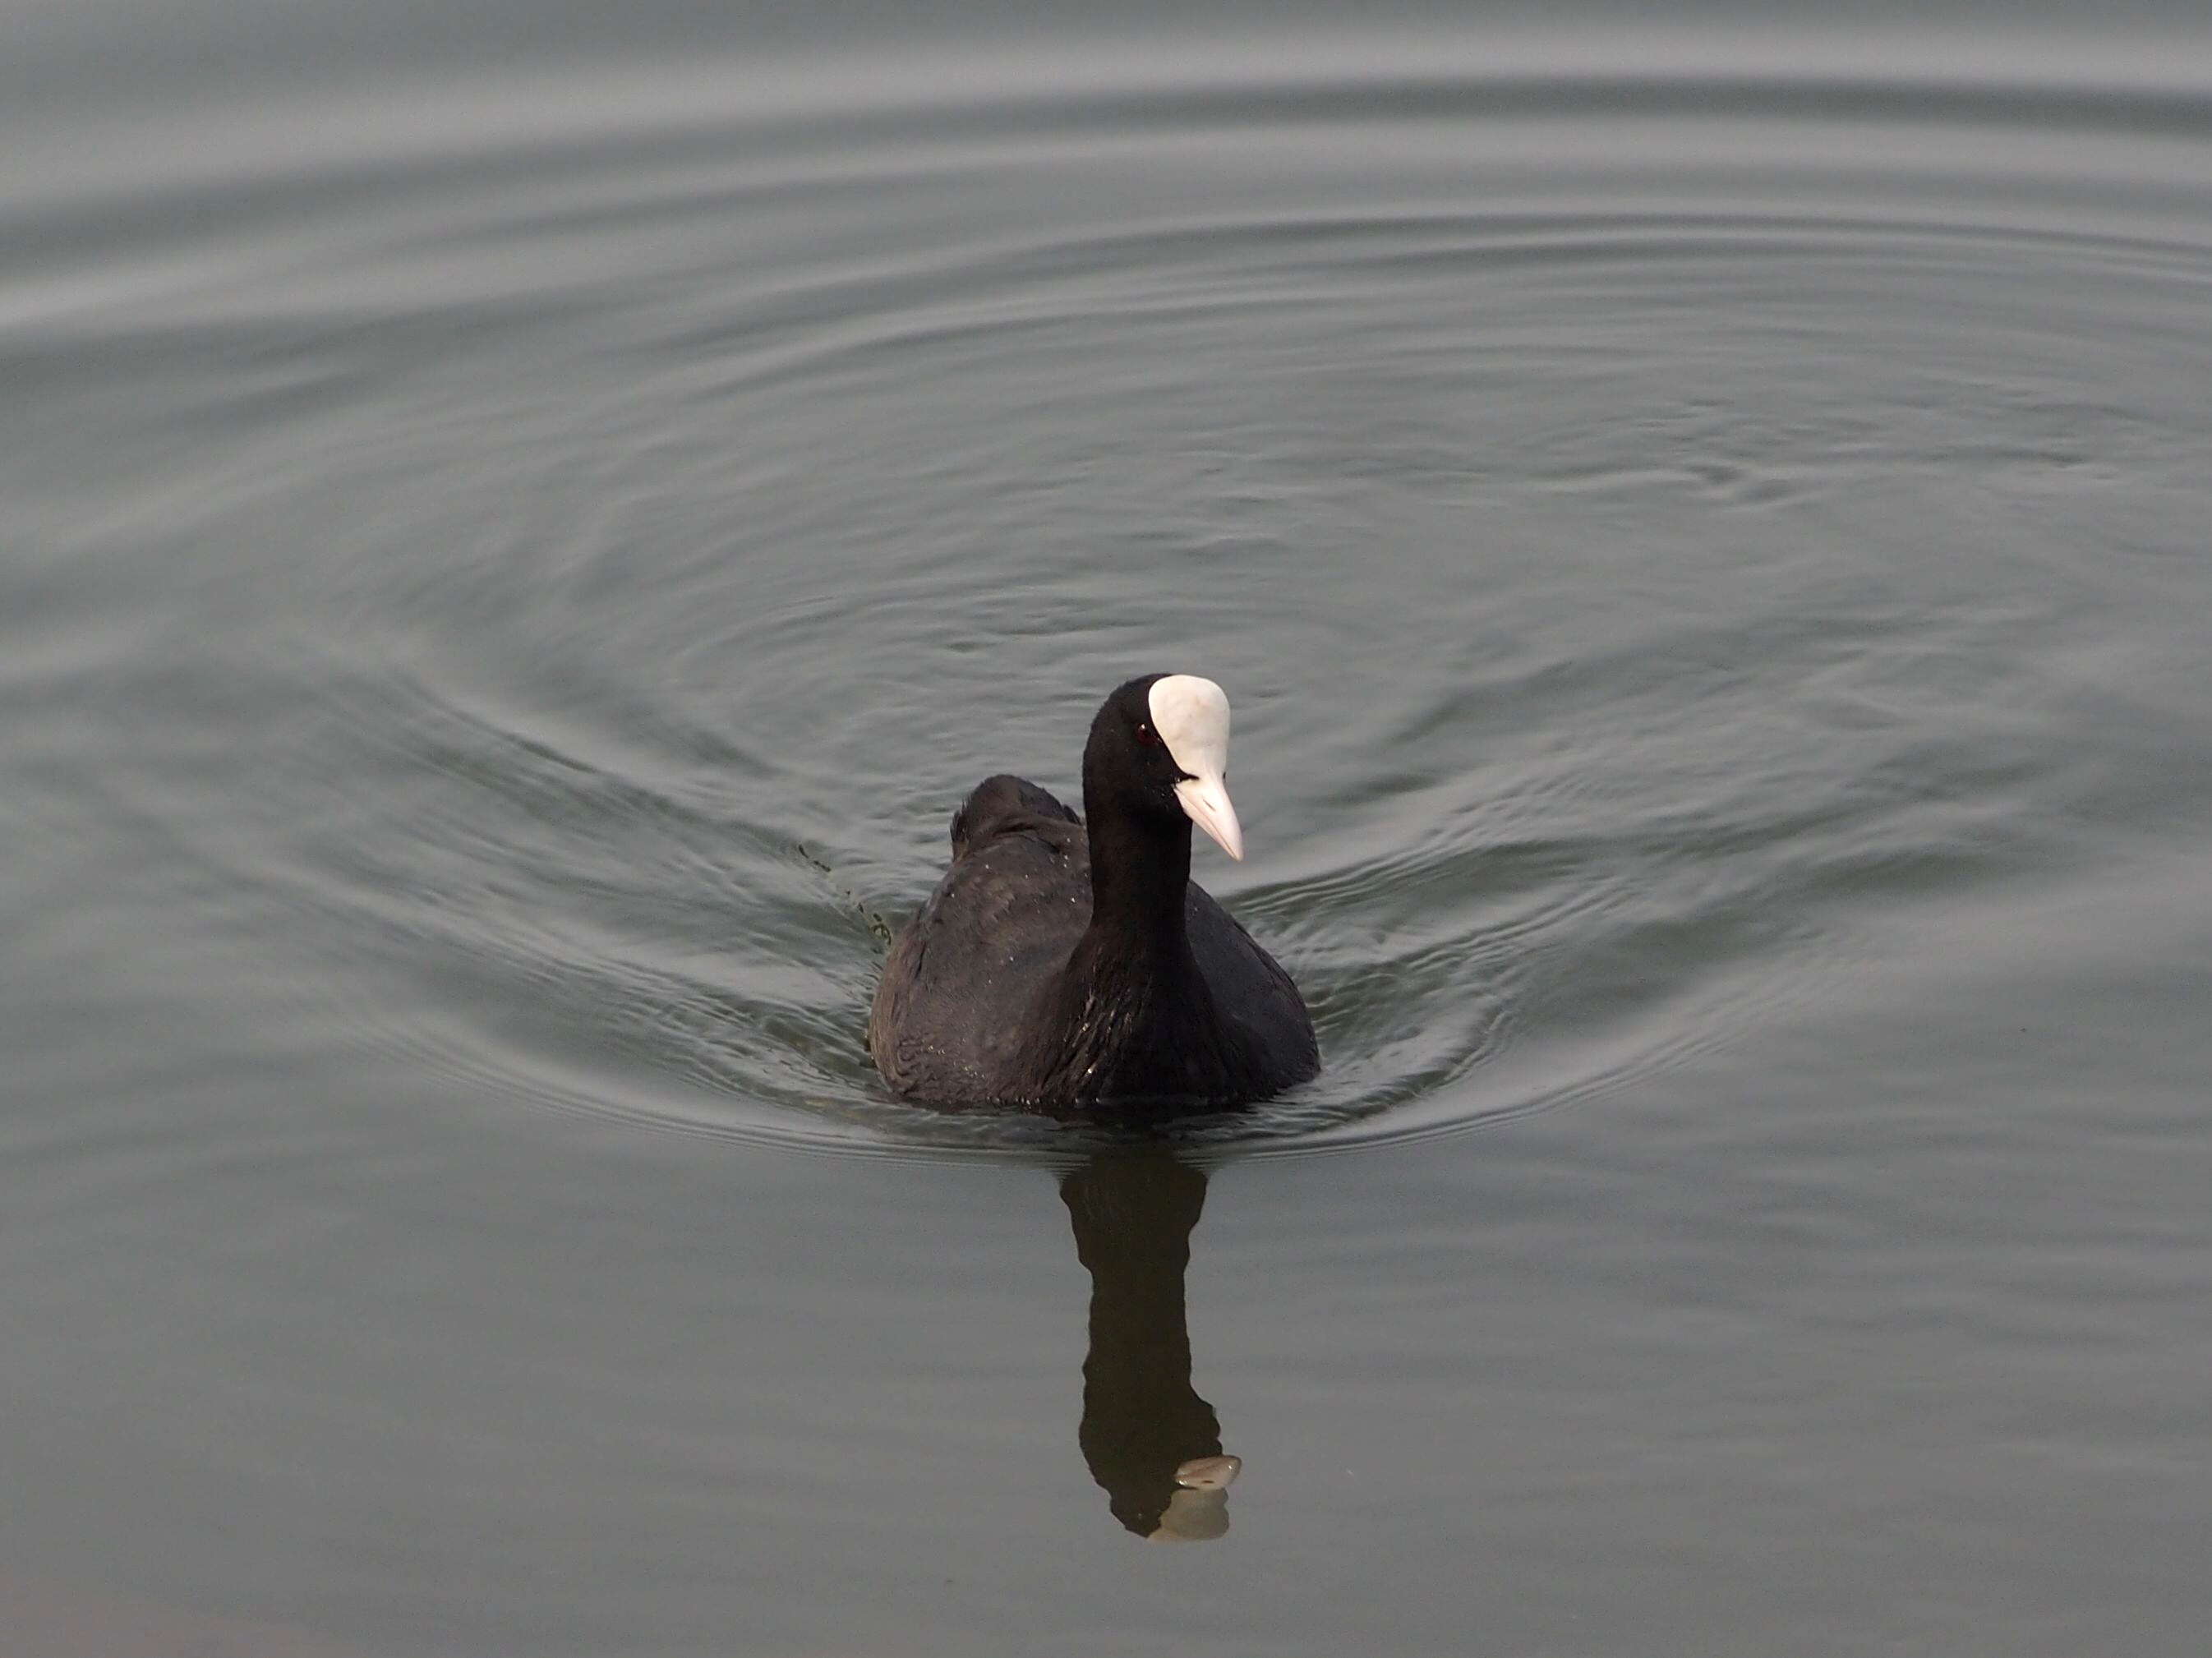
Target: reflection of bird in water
{"type": "Point", "coordinates": [1150, 1441]}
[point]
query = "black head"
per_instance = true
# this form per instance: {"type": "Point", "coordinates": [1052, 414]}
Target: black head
{"type": "Point", "coordinates": [1159, 749]}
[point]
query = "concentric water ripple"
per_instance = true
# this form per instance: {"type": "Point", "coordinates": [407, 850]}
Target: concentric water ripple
{"type": "Point", "coordinates": [664, 519]}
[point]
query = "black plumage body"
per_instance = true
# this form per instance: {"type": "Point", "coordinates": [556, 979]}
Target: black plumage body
{"type": "Point", "coordinates": [1072, 968]}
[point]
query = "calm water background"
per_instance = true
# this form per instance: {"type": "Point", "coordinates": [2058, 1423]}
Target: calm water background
{"type": "Point", "coordinates": [517, 528]}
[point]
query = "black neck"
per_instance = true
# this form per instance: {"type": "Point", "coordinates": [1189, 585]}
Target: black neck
{"type": "Point", "coordinates": [1130, 1015]}
{"type": "Point", "coordinates": [1139, 867]}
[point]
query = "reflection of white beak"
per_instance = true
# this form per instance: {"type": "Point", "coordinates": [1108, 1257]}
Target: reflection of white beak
{"type": "Point", "coordinates": [1205, 799]}
{"type": "Point", "coordinates": [1210, 1474]}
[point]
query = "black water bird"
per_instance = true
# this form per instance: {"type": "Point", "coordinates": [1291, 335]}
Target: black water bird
{"type": "Point", "coordinates": [1068, 965]}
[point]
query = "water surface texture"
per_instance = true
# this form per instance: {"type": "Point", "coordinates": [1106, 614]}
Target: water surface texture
{"type": "Point", "coordinates": [508, 564]}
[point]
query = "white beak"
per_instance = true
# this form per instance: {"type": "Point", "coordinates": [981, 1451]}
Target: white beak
{"type": "Point", "coordinates": [1205, 799]}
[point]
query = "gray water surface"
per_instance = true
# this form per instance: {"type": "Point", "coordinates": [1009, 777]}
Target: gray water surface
{"type": "Point", "coordinates": [507, 564]}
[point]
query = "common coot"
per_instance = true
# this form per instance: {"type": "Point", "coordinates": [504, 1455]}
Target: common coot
{"type": "Point", "coordinates": [1068, 965]}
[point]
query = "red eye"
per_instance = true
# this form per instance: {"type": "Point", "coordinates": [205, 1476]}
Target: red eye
{"type": "Point", "coordinates": [1147, 735]}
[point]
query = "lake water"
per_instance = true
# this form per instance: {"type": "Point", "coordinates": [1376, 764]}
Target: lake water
{"type": "Point", "coordinates": [511, 550]}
